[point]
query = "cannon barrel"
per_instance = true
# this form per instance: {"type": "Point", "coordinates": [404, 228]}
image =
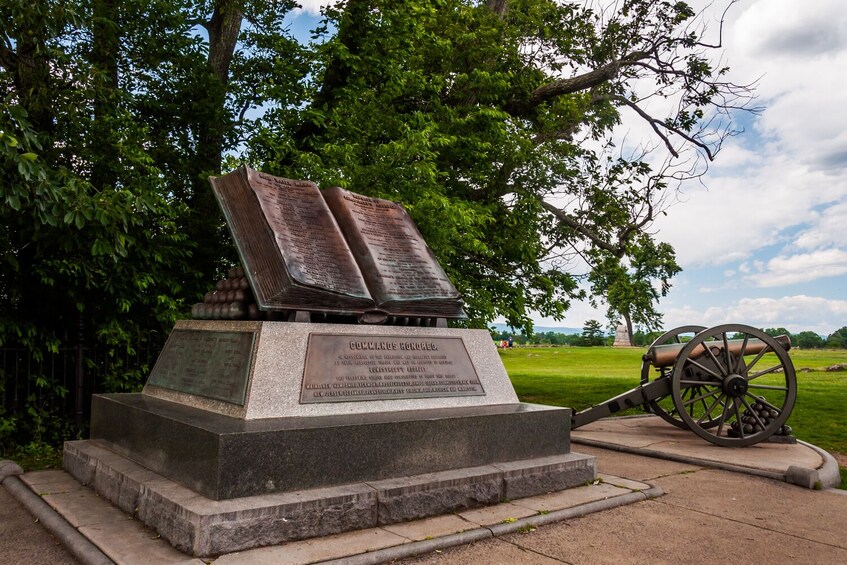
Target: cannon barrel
{"type": "Point", "coordinates": [665, 355]}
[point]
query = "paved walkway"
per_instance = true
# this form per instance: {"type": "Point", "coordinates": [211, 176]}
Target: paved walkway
{"type": "Point", "coordinates": [705, 514]}
{"type": "Point", "coordinates": [22, 539]}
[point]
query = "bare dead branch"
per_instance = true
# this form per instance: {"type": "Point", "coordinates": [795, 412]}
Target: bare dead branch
{"type": "Point", "coordinates": [582, 229]}
{"type": "Point", "coordinates": [722, 20]}
{"type": "Point", "coordinates": [585, 81]}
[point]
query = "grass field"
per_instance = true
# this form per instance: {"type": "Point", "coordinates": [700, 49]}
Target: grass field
{"type": "Point", "coordinates": [579, 377]}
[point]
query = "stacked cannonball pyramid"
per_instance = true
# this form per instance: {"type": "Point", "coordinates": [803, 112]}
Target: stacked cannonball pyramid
{"type": "Point", "coordinates": [750, 425]}
{"type": "Point", "coordinates": [232, 299]}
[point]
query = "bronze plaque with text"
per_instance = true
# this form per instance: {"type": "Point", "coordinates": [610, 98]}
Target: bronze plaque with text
{"type": "Point", "coordinates": [211, 364]}
{"type": "Point", "coordinates": [401, 265]}
{"type": "Point", "coordinates": [344, 368]}
{"type": "Point", "coordinates": [313, 249]}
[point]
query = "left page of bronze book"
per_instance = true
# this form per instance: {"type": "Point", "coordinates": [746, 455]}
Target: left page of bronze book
{"type": "Point", "coordinates": [294, 252]}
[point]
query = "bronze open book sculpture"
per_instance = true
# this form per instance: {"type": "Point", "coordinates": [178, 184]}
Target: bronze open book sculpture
{"type": "Point", "coordinates": [331, 251]}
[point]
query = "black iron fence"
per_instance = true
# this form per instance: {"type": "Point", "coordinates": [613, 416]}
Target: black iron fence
{"type": "Point", "coordinates": [58, 385]}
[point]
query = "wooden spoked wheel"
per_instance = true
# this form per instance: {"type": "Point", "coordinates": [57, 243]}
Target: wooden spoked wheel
{"type": "Point", "coordinates": [664, 407]}
{"type": "Point", "coordinates": [745, 385]}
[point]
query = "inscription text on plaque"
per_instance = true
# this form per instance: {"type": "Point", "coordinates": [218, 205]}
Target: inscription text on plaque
{"type": "Point", "coordinates": [211, 364]}
{"type": "Point", "coordinates": [344, 368]}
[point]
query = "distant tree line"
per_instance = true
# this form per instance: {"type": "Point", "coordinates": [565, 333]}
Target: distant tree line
{"type": "Point", "coordinates": [594, 335]}
{"type": "Point", "coordinates": [812, 340]}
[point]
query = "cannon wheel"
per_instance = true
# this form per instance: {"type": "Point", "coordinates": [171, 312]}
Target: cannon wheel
{"type": "Point", "coordinates": [749, 394]}
{"type": "Point", "coordinates": [666, 410]}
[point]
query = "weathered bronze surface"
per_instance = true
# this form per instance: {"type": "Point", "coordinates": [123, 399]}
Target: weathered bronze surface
{"type": "Point", "coordinates": [293, 251]}
{"type": "Point", "coordinates": [333, 252]}
{"type": "Point", "coordinates": [391, 251]}
{"type": "Point", "coordinates": [312, 247]}
{"type": "Point", "coordinates": [344, 368]}
{"type": "Point", "coordinates": [211, 364]}
{"type": "Point", "coordinates": [666, 355]}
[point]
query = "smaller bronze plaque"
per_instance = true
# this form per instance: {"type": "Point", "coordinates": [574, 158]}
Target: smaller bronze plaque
{"type": "Point", "coordinates": [344, 368]}
{"type": "Point", "coordinates": [206, 363]}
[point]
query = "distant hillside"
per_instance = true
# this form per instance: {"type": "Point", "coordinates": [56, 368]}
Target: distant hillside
{"type": "Point", "coordinates": [541, 329]}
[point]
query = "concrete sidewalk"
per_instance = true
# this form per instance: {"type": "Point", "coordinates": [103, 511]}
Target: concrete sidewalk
{"type": "Point", "coordinates": [800, 463]}
{"type": "Point", "coordinates": [705, 516]}
{"type": "Point", "coordinates": [718, 503]}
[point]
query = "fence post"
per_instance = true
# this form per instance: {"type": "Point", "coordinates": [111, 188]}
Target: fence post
{"type": "Point", "coordinates": [79, 400]}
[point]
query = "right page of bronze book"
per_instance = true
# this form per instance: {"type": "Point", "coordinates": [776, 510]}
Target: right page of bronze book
{"type": "Point", "coordinates": [293, 250]}
{"type": "Point", "coordinates": [401, 271]}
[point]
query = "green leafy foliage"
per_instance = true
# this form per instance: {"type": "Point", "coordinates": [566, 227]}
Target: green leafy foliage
{"type": "Point", "coordinates": [103, 107]}
{"type": "Point", "coordinates": [808, 340]}
{"type": "Point", "coordinates": [491, 123]}
{"type": "Point", "coordinates": [630, 291]}
{"type": "Point", "coordinates": [838, 338]}
{"type": "Point", "coordinates": [592, 334]}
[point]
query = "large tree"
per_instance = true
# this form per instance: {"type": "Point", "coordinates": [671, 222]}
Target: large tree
{"type": "Point", "coordinates": [493, 123]}
{"type": "Point", "coordinates": [112, 114]}
{"type": "Point", "coordinates": [632, 290]}
{"type": "Point", "coordinates": [838, 338]}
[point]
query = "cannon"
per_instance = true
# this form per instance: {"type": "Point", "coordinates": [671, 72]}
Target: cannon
{"type": "Point", "coordinates": [732, 385]}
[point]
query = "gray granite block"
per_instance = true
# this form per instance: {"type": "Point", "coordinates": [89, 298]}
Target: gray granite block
{"type": "Point", "coordinates": [273, 389]}
{"type": "Point", "coordinates": [223, 457]}
{"type": "Point", "coordinates": [203, 527]}
{"type": "Point", "coordinates": [410, 498]}
{"type": "Point", "coordinates": [548, 474]}
{"type": "Point", "coordinates": [120, 481]}
{"type": "Point", "coordinates": [78, 463]}
{"type": "Point", "coordinates": [172, 520]}
{"type": "Point", "coordinates": [307, 514]}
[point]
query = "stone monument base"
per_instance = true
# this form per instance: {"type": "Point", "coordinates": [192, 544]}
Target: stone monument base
{"type": "Point", "coordinates": [222, 457]}
{"type": "Point", "coordinates": [203, 527]}
{"type": "Point", "coordinates": [257, 433]}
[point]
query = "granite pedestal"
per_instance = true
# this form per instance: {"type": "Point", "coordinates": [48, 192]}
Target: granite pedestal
{"type": "Point", "coordinates": [223, 457]}
{"type": "Point", "coordinates": [215, 475]}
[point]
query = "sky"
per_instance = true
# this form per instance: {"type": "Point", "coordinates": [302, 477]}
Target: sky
{"type": "Point", "coordinates": [762, 238]}
{"type": "Point", "coordinates": [764, 242]}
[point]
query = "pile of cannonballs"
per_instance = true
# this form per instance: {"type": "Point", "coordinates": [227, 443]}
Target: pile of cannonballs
{"type": "Point", "coordinates": [749, 424]}
{"type": "Point", "coordinates": [232, 299]}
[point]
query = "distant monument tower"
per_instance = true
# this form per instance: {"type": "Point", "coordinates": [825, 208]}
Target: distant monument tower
{"type": "Point", "coordinates": [621, 336]}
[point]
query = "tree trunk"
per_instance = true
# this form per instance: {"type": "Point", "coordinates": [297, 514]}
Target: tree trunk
{"type": "Point", "coordinates": [205, 225]}
{"type": "Point", "coordinates": [104, 56]}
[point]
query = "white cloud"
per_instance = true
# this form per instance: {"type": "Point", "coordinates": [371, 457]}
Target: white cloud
{"type": "Point", "coordinates": [741, 214]}
{"type": "Point", "coordinates": [800, 51]}
{"type": "Point", "coordinates": [795, 313]}
{"type": "Point", "coordinates": [792, 29]}
{"type": "Point", "coordinates": [828, 230]}
{"type": "Point", "coordinates": [312, 7]}
{"type": "Point", "coordinates": [734, 155]}
{"type": "Point", "coordinates": [792, 269]}
{"type": "Point", "coordinates": [767, 186]}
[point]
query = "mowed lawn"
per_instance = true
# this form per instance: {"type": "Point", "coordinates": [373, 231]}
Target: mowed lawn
{"type": "Point", "coordinates": [579, 377]}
